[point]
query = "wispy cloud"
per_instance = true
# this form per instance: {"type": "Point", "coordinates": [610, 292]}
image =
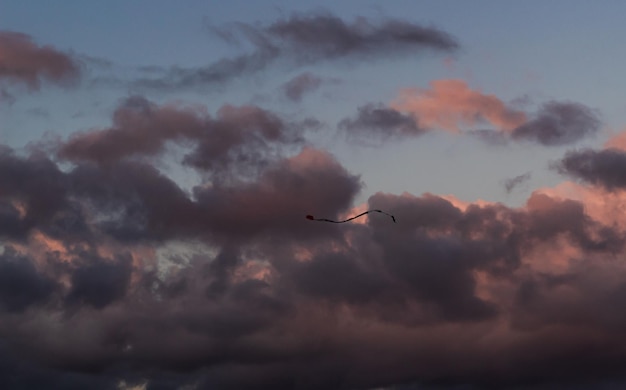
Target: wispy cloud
{"type": "Point", "coordinates": [306, 39]}
{"type": "Point", "coordinates": [300, 85]}
{"type": "Point", "coordinates": [513, 182]}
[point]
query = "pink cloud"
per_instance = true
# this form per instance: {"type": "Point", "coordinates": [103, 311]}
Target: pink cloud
{"type": "Point", "coordinates": [24, 61]}
{"type": "Point", "coordinates": [618, 141]}
{"type": "Point", "coordinates": [452, 104]}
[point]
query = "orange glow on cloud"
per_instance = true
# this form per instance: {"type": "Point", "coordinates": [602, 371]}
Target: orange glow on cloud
{"type": "Point", "coordinates": [602, 206]}
{"type": "Point", "coordinates": [617, 142]}
{"type": "Point", "coordinates": [463, 205]}
{"type": "Point", "coordinates": [450, 104]}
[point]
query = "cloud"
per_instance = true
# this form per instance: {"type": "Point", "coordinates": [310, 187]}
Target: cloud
{"type": "Point", "coordinates": [113, 275]}
{"type": "Point", "coordinates": [245, 137]}
{"type": "Point", "coordinates": [449, 284]}
{"type": "Point", "coordinates": [603, 167]}
{"type": "Point", "coordinates": [449, 104]}
{"type": "Point", "coordinates": [618, 141]}
{"type": "Point", "coordinates": [21, 60]}
{"type": "Point", "coordinates": [22, 285]}
{"type": "Point", "coordinates": [382, 122]}
{"type": "Point", "coordinates": [305, 39]}
{"type": "Point", "coordinates": [300, 85]}
{"type": "Point", "coordinates": [452, 106]}
{"type": "Point", "coordinates": [311, 37]}
{"type": "Point", "coordinates": [558, 123]}
{"type": "Point", "coordinates": [98, 282]}
{"type": "Point", "coordinates": [511, 183]}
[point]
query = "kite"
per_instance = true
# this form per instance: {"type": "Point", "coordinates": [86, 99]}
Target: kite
{"type": "Point", "coordinates": [312, 218]}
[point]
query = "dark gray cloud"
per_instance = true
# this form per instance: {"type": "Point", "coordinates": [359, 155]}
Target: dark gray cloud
{"type": "Point", "coordinates": [510, 184]}
{"type": "Point", "coordinates": [21, 284]}
{"type": "Point", "coordinates": [559, 123]}
{"type": "Point", "coordinates": [606, 168]}
{"type": "Point", "coordinates": [337, 298]}
{"type": "Point", "coordinates": [35, 191]}
{"type": "Point", "coordinates": [25, 62]}
{"type": "Point", "coordinates": [98, 283]}
{"type": "Point", "coordinates": [311, 37]}
{"type": "Point", "coordinates": [381, 122]}
{"type": "Point", "coordinates": [300, 85]}
{"type": "Point", "coordinates": [304, 39]}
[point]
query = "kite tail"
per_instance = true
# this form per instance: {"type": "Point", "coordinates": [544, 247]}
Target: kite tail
{"type": "Point", "coordinates": [312, 218]}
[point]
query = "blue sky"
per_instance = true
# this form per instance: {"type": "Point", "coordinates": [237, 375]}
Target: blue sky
{"type": "Point", "coordinates": [538, 51]}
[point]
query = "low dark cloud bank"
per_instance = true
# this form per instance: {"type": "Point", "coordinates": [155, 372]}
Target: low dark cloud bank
{"type": "Point", "coordinates": [97, 289]}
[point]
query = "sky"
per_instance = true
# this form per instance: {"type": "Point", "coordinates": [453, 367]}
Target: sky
{"type": "Point", "coordinates": [157, 162]}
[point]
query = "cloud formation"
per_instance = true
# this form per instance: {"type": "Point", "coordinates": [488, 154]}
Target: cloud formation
{"type": "Point", "coordinates": [306, 39]}
{"type": "Point", "coordinates": [114, 276]}
{"type": "Point", "coordinates": [451, 104]}
{"type": "Point", "coordinates": [380, 122]}
{"type": "Point", "coordinates": [300, 85]}
{"type": "Point", "coordinates": [558, 123]}
{"type": "Point", "coordinates": [23, 61]}
{"type": "Point", "coordinates": [511, 183]}
{"type": "Point", "coordinates": [238, 137]}
{"type": "Point", "coordinates": [604, 168]}
{"type": "Point", "coordinates": [102, 285]}
{"type": "Point", "coordinates": [311, 37]}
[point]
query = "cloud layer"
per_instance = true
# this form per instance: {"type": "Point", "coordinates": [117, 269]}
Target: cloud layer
{"type": "Point", "coordinates": [113, 274]}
